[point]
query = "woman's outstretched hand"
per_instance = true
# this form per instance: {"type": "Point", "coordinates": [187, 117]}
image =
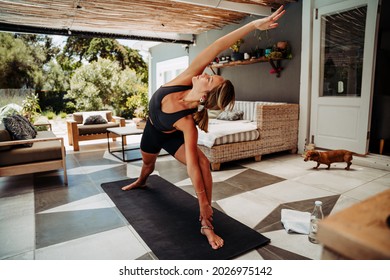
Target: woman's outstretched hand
{"type": "Point", "coordinates": [270, 21]}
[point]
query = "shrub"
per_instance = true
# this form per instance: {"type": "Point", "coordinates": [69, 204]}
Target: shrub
{"type": "Point", "coordinates": [50, 115]}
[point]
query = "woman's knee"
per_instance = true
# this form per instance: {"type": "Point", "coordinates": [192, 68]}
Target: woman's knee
{"type": "Point", "coordinates": [203, 160]}
{"type": "Point", "coordinates": [149, 160]}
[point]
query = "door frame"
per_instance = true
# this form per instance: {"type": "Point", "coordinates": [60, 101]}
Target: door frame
{"type": "Point", "coordinates": [307, 66]}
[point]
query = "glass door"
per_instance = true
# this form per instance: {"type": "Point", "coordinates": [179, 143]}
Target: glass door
{"type": "Point", "coordinates": [344, 39]}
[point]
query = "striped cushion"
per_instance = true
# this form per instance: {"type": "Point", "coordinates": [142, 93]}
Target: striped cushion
{"type": "Point", "coordinates": [238, 137]}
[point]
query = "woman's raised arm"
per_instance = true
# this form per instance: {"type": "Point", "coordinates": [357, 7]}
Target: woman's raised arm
{"type": "Point", "coordinates": [203, 59]}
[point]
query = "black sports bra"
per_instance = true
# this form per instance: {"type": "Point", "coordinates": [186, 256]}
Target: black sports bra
{"type": "Point", "coordinates": [164, 121]}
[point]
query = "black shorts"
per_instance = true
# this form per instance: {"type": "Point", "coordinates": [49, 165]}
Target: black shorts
{"type": "Point", "coordinates": [154, 140]}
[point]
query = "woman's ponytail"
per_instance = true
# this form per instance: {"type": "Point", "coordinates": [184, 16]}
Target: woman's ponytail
{"type": "Point", "coordinates": [201, 118]}
{"type": "Point", "coordinates": [218, 98]}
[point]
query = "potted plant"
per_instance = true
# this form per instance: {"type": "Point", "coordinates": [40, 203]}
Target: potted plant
{"type": "Point", "coordinates": [140, 114]}
{"type": "Point", "coordinates": [30, 107]}
{"type": "Point", "coordinates": [236, 55]}
{"type": "Point", "coordinates": [257, 52]}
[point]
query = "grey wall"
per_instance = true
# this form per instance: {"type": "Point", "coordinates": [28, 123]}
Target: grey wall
{"type": "Point", "coordinates": [164, 52]}
{"type": "Point", "coordinates": [252, 82]}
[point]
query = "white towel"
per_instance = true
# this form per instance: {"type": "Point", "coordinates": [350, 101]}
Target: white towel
{"type": "Point", "coordinates": [296, 221]}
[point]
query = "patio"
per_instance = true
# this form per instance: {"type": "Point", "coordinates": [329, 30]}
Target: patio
{"type": "Point", "coordinates": [43, 220]}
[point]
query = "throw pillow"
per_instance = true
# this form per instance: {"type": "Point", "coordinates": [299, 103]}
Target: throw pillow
{"type": "Point", "coordinates": [28, 126]}
{"type": "Point", "coordinates": [95, 119]}
{"type": "Point", "coordinates": [86, 115]}
{"type": "Point", "coordinates": [231, 115]}
{"type": "Point", "coordinates": [19, 128]}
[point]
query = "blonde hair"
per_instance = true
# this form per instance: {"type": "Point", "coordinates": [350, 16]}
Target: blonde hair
{"type": "Point", "coordinates": [219, 97]}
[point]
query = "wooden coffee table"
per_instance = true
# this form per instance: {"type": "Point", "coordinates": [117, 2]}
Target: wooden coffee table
{"type": "Point", "coordinates": [122, 132]}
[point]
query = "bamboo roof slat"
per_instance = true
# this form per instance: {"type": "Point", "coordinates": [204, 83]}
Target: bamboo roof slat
{"type": "Point", "coordinates": [122, 16]}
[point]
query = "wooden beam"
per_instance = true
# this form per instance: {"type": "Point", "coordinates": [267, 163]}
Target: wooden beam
{"type": "Point", "coordinates": [231, 6]}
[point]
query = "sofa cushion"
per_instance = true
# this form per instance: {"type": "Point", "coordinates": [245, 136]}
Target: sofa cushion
{"type": "Point", "coordinates": [86, 115]}
{"type": "Point", "coordinates": [95, 119]}
{"type": "Point", "coordinates": [19, 128]}
{"type": "Point", "coordinates": [78, 116]}
{"type": "Point", "coordinates": [96, 128]}
{"type": "Point", "coordinates": [40, 151]}
{"type": "Point", "coordinates": [5, 136]}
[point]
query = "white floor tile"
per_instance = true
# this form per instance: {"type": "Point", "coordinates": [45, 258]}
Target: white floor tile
{"type": "Point", "coordinates": [367, 190]}
{"type": "Point", "coordinates": [385, 180]}
{"type": "Point", "coordinates": [24, 256]}
{"type": "Point", "coordinates": [362, 173]}
{"type": "Point", "coordinates": [296, 243]}
{"type": "Point", "coordinates": [333, 181]}
{"type": "Point", "coordinates": [248, 208]}
{"type": "Point", "coordinates": [117, 244]}
{"type": "Point", "coordinates": [287, 171]}
{"type": "Point", "coordinates": [342, 203]}
{"type": "Point", "coordinates": [290, 191]}
{"type": "Point", "coordinates": [133, 171]}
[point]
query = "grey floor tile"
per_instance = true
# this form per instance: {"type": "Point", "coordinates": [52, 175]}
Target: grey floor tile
{"type": "Point", "coordinates": [17, 231]}
{"type": "Point", "coordinates": [52, 228]}
{"type": "Point", "coordinates": [16, 185]}
{"type": "Point", "coordinates": [53, 197]}
{"type": "Point", "coordinates": [251, 179]}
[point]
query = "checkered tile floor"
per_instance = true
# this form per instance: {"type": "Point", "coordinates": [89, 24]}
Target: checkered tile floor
{"type": "Point", "coordinates": [41, 219]}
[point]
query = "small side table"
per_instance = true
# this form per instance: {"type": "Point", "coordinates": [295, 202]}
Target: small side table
{"type": "Point", "coordinates": [122, 132]}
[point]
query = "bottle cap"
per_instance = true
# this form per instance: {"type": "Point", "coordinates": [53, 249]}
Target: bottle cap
{"type": "Point", "coordinates": [318, 203]}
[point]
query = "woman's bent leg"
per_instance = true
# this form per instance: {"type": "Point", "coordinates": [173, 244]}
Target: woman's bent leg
{"type": "Point", "coordinates": [149, 161]}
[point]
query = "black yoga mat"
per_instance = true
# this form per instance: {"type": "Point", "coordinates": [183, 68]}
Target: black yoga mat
{"type": "Point", "coordinates": [166, 218]}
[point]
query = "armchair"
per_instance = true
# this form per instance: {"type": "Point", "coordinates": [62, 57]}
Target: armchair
{"type": "Point", "coordinates": [78, 130]}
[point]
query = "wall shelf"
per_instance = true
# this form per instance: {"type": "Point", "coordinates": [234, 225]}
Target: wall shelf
{"type": "Point", "coordinates": [275, 64]}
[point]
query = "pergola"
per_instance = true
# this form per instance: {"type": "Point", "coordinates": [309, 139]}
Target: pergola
{"type": "Point", "coordinates": [153, 20]}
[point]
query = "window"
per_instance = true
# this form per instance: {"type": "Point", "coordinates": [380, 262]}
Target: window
{"type": "Point", "coordinates": [169, 69]}
{"type": "Point", "coordinates": [343, 45]}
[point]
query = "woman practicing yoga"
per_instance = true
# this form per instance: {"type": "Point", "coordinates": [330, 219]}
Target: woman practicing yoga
{"type": "Point", "coordinates": [175, 110]}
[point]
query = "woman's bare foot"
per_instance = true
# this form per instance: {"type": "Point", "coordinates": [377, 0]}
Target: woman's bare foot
{"type": "Point", "coordinates": [215, 241]}
{"type": "Point", "coordinates": [136, 184]}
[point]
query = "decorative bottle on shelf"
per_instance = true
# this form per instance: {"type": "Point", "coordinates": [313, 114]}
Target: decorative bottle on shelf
{"type": "Point", "coordinates": [315, 217]}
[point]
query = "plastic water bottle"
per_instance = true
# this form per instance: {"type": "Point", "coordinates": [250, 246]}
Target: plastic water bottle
{"type": "Point", "coordinates": [315, 217]}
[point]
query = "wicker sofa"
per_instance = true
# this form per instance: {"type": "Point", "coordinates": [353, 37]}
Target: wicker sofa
{"type": "Point", "coordinates": [277, 124]}
{"type": "Point", "coordinates": [46, 153]}
{"type": "Point", "coordinates": [78, 131]}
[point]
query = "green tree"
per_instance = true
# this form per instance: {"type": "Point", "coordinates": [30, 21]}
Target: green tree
{"type": "Point", "coordinates": [41, 46]}
{"type": "Point", "coordinates": [22, 59]}
{"type": "Point", "coordinates": [102, 84]}
{"type": "Point", "coordinates": [78, 50]}
{"type": "Point", "coordinates": [55, 78]}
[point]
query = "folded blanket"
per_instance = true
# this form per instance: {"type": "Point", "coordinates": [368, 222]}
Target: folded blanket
{"type": "Point", "coordinates": [296, 221]}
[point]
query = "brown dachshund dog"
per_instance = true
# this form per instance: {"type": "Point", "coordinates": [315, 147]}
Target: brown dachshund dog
{"type": "Point", "coordinates": [330, 157]}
